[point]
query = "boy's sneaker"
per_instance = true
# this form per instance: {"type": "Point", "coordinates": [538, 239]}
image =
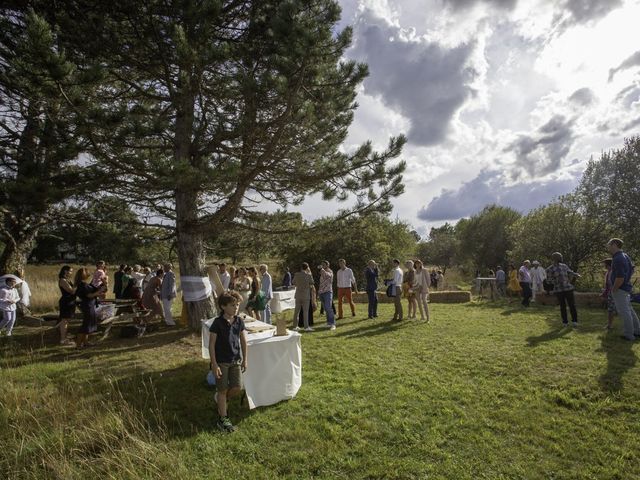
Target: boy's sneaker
{"type": "Point", "coordinates": [308, 329]}
{"type": "Point", "coordinates": [225, 425]}
{"type": "Point", "coordinates": [332, 327]}
{"type": "Point", "coordinates": [575, 324]}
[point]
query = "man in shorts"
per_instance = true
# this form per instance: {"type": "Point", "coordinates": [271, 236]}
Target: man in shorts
{"type": "Point", "coordinates": [227, 336]}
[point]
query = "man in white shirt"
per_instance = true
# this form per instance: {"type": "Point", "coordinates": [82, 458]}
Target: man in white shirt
{"type": "Point", "coordinates": [346, 280]}
{"type": "Point", "coordinates": [398, 275]}
{"type": "Point", "coordinates": [225, 277]}
{"type": "Point", "coordinates": [524, 276]}
{"type": "Point", "coordinates": [538, 276]}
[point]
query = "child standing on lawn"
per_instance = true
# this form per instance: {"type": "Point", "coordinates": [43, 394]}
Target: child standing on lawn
{"type": "Point", "coordinates": [227, 335]}
{"type": "Point", "coordinates": [9, 299]}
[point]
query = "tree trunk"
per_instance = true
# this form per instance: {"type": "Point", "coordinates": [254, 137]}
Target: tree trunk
{"type": "Point", "coordinates": [15, 254]}
{"type": "Point", "coordinates": [190, 241]}
{"type": "Point", "coordinates": [191, 255]}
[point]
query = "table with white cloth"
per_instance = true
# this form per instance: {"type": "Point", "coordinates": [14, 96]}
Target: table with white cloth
{"type": "Point", "coordinates": [274, 371]}
{"type": "Point", "coordinates": [283, 300]}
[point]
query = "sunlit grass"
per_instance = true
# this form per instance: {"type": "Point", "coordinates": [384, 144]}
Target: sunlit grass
{"type": "Point", "coordinates": [480, 392]}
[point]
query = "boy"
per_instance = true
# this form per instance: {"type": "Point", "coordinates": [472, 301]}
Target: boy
{"type": "Point", "coordinates": [227, 335]}
{"type": "Point", "coordinates": [9, 299]}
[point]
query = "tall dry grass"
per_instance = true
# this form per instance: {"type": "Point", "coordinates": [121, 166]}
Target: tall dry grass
{"type": "Point", "coordinates": [55, 432]}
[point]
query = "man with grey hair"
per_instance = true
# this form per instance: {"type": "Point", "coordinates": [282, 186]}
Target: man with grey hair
{"type": "Point", "coordinates": [267, 289]}
{"type": "Point", "coordinates": [622, 269]}
{"type": "Point", "coordinates": [560, 276]}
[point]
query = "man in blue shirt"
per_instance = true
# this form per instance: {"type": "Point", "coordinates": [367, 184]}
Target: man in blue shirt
{"type": "Point", "coordinates": [371, 275]}
{"type": "Point", "coordinates": [622, 269]}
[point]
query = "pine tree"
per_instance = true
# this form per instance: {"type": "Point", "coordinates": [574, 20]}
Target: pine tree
{"type": "Point", "coordinates": [40, 144]}
{"type": "Point", "coordinates": [216, 105]}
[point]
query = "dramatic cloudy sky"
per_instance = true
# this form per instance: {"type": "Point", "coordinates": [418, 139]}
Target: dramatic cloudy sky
{"type": "Point", "coordinates": [502, 101]}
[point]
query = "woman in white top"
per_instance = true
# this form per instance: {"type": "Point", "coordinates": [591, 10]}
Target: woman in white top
{"type": "Point", "coordinates": [421, 287]}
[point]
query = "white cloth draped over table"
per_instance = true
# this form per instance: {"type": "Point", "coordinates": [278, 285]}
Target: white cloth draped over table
{"type": "Point", "coordinates": [274, 370]}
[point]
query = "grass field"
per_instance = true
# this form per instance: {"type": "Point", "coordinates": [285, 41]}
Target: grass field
{"type": "Point", "coordinates": [482, 392]}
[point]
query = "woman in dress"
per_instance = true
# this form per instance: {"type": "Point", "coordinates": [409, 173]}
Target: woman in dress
{"type": "Point", "coordinates": [313, 305]}
{"type": "Point", "coordinates": [243, 287]}
{"type": "Point", "coordinates": [126, 277]}
{"type": "Point", "coordinates": [67, 302]}
{"type": "Point", "coordinates": [410, 294]}
{"type": "Point", "coordinates": [255, 288]}
{"type": "Point", "coordinates": [233, 276]}
{"type": "Point", "coordinates": [421, 287]}
{"type": "Point", "coordinates": [514, 287]}
{"type": "Point", "coordinates": [147, 278]}
{"type": "Point", "coordinates": [151, 295]}
{"type": "Point", "coordinates": [87, 294]}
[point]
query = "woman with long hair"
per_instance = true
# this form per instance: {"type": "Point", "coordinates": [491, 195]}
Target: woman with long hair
{"type": "Point", "coordinates": [87, 294]}
{"type": "Point", "coordinates": [67, 302]}
{"type": "Point", "coordinates": [255, 288]}
{"type": "Point", "coordinates": [409, 291]}
{"type": "Point", "coordinates": [243, 287]}
{"type": "Point", "coordinates": [513, 287]}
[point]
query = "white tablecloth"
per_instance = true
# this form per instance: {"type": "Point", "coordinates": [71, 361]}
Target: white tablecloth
{"type": "Point", "coordinates": [274, 370]}
{"type": "Point", "coordinates": [283, 300]}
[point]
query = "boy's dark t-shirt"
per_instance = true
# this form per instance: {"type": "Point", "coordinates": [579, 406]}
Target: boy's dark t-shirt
{"type": "Point", "coordinates": [227, 338]}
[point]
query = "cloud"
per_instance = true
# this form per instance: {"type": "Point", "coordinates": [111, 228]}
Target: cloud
{"type": "Point", "coordinates": [543, 151]}
{"type": "Point", "coordinates": [425, 81]}
{"type": "Point", "coordinates": [629, 95]}
{"type": "Point", "coordinates": [583, 97]}
{"type": "Point", "coordinates": [629, 62]}
{"type": "Point", "coordinates": [490, 187]}
{"type": "Point", "coordinates": [574, 12]}
{"type": "Point", "coordinates": [460, 4]}
{"type": "Point", "coordinates": [631, 125]}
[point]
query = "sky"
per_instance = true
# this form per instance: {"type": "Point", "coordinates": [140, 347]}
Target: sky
{"type": "Point", "coordinates": [502, 101]}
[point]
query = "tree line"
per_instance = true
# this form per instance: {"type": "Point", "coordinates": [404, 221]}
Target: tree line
{"type": "Point", "coordinates": [605, 203]}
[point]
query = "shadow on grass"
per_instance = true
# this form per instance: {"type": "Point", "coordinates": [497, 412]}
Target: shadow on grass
{"type": "Point", "coordinates": [554, 334]}
{"type": "Point", "coordinates": [42, 347]}
{"type": "Point", "coordinates": [620, 359]}
{"type": "Point", "coordinates": [375, 328]}
{"type": "Point", "coordinates": [178, 401]}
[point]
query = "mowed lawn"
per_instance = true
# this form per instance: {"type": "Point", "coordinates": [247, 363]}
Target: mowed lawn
{"type": "Point", "coordinates": [483, 391]}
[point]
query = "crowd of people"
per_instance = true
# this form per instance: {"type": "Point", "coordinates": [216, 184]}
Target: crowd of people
{"type": "Point", "coordinates": [532, 279]}
{"type": "Point", "coordinates": [152, 290]}
{"type": "Point", "coordinates": [250, 290]}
